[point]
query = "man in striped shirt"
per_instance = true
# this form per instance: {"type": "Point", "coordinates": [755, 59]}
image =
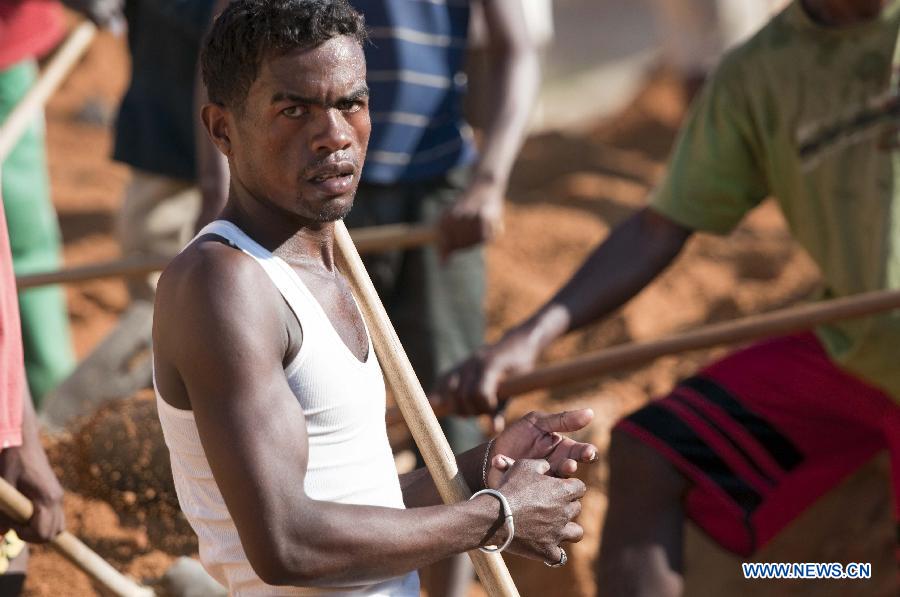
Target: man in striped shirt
{"type": "Point", "coordinates": [422, 167]}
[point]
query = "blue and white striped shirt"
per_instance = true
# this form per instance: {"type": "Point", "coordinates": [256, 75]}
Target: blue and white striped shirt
{"type": "Point", "coordinates": [414, 61]}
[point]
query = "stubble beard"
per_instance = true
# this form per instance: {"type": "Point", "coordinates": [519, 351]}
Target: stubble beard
{"type": "Point", "coordinates": [333, 213]}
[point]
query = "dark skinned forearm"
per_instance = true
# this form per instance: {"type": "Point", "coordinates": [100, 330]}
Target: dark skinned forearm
{"type": "Point", "coordinates": [513, 79]}
{"type": "Point", "coordinates": [393, 542]}
{"type": "Point", "coordinates": [630, 258]}
{"type": "Point", "coordinates": [335, 545]}
{"type": "Point", "coordinates": [419, 489]}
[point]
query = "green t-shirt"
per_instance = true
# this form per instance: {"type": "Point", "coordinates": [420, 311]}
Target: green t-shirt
{"type": "Point", "coordinates": [809, 115]}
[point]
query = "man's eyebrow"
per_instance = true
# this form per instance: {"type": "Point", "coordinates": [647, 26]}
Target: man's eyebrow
{"type": "Point", "coordinates": [280, 96]}
{"type": "Point", "coordinates": [357, 94]}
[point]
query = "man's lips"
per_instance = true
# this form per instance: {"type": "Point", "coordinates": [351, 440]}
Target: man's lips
{"type": "Point", "coordinates": [341, 169]}
{"type": "Point", "coordinates": [335, 179]}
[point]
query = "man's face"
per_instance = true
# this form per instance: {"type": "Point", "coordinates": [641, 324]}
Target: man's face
{"type": "Point", "coordinates": [300, 140]}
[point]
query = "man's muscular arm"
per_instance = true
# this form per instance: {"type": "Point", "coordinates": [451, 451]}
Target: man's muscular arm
{"type": "Point", "coordinates": [220, 331]}
{"type": "Point", "coordinates": [635, 252]}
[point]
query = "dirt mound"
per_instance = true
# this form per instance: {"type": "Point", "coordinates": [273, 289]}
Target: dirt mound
{"type": "Point", "coordinates": [120, 499]}
{"type": "Point", "coordinates": [128, 547]}
{"type": "Point", "coordinates": [118, 456]}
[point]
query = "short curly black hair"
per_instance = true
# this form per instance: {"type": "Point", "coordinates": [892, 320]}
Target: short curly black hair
{"type": "Point", "coordinates": [248, 31]}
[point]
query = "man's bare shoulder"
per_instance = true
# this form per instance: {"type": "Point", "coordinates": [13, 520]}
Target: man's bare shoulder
{"type": "Point", "coordinates": [211, 288]}
{"type": "Point", "coordinates": [209, 271]}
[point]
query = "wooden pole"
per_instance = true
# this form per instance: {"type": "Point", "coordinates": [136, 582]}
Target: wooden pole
{"type": "Point", "coordinates": [59, 66]}
{"type": "Point", "coordinates": [368, 240]}
{"type": "Point", "coordinates": [378, 239]}
{"type": "Point", "coordinates": [20, 508]}
{"type": "Point", "coordinates": [408, 393]}
{"type": "Point", "coordinates": [119, 268]}
{"type": "Point", "coordinates": [597, 364]}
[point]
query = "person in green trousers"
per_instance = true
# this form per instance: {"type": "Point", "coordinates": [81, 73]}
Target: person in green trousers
{"type": "Point", "coordinates": [35, 240]}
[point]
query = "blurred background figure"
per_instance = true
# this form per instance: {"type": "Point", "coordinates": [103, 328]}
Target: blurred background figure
{"type": "Point", "coordinates": [423, 167]}
{"type": "Point", "coordinates": [23, 463]}
{"type": "Point", "coordinates": [157, 133]}
{"type": "Point", "coordinates": [28, 30]}
{"type": "Point", "coordinates": [170, 193]}
{"type": "Point", "coordinates": [539, 25]}
{"type": "Point", "coordinates": [695, 33]}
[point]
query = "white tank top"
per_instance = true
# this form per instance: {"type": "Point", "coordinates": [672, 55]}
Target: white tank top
{"type": "Point", "coordinates": [350, 460]}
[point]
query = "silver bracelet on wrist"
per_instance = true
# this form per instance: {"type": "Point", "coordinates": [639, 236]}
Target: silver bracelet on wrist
{"type": "Point", "coordinates": [485, 462]}
{"type": "Point", "coordinates": [507, 520]}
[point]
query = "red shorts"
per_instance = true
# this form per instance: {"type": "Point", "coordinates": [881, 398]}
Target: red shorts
{"type": "Point", "coordinates": [766, 431]}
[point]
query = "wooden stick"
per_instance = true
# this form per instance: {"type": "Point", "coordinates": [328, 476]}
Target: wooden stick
{"type": "Point", "coordinates": [415, 408]}
{"type": "Point", "coordinates": [378, 239]}
{"type": "Point", "coordinates": [59, 66]}
{"type": "Point", "coordinates": [20, 508]}
{"type": "Point", "coordinates": [373, 239]}
{"type": "Point", "coordinates": [597, 364]}
{"type": "Point", "coordinates": [119, 268]}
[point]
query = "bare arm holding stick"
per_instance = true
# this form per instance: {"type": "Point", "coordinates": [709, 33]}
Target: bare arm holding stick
{"type": "Point", "coordinates": [632, 256]}
{"type": "Point", "coordinates": [710, 191]}
{"type": "Point", "coordinates": [26, 468]}
{"type": "Point", "coordinates": [254, 434]}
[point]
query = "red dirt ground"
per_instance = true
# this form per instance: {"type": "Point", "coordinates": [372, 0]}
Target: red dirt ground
{"type": "Point", "coordinates": [566, 193]}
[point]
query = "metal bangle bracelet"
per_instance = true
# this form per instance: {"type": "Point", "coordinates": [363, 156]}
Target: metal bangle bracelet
{"type": "Point", "coordinates": [507, 520]}
{"type": "Point", "coordinates": [484, 463]}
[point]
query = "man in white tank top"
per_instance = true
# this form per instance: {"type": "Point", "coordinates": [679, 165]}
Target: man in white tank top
{"type": "Point", "coordinates": [271, 400]}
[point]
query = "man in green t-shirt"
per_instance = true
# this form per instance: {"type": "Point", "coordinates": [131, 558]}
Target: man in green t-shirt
{"type": "Point", "coordinates": [807, 111]}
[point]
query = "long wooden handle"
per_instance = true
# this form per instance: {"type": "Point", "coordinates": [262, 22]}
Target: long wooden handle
{"type": "Point", "coordinates": [119, 268]}
{"type": "Point", "coordinates": [373, 239]}
{"type": "Point", "coordinates": [57, 69]}
{"type": "Point", "coordinates": [597, 364]}
{"type": "Point", "coordinates": [377, 239]}
{"type": "Point", "coordinates": [19, 507]}
{"type": "Point", "coordinates": [409, 395]}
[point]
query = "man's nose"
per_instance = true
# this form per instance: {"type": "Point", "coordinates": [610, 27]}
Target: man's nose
{"type": "Point", "coordinates": [334, 133]}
